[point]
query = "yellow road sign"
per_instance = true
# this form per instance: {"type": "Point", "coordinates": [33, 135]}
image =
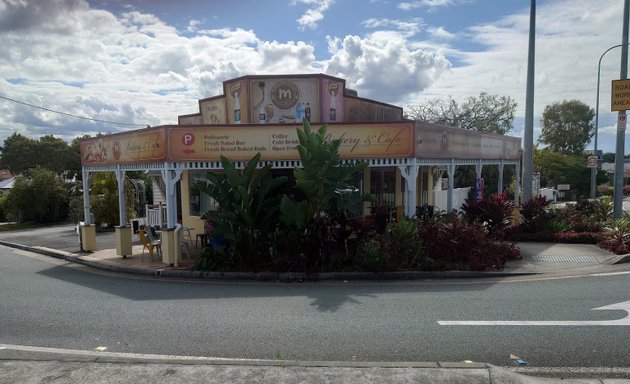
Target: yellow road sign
{"type": "Point", "coordinates": [620, 95]}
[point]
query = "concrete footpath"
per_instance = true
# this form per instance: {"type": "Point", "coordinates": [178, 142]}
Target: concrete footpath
{"type": "Point", "coordinates": [45, 365]}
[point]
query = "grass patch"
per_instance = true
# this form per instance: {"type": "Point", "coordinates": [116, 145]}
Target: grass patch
{"type": "Point", "coordinates": [18, 226]}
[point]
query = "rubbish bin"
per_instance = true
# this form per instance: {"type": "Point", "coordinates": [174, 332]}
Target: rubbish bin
{"type": "Point", "coordinates": [136, 225]}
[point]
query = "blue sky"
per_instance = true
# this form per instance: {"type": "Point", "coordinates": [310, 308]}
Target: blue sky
{"type": "Point", "coordinates": [148, 61]}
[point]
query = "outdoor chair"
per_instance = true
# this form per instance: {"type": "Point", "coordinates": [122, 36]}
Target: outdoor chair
{"type": "Point", "coordinates": [183, 242]}
{"type": "Point", "coordinates": [149, 244]}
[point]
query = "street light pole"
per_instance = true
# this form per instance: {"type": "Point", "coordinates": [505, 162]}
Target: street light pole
{"type": "Point", "coordinates": [621, 119]}
{"type": "Point", "coordinates": [528, 134]}
{"type": "Point", "coordinates": [599, 68]}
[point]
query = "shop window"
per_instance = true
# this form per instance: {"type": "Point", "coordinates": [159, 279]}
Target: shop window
{"type": "Point", "coordinates": [383, 186]}
{"type": "Point", "coordinates": [199, 203]}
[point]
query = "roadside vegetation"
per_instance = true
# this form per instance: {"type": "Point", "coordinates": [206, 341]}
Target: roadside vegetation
{"type": "Point", "coordinates": [317, 229]}
{"type": "Point", "coordinates": [48, 186]}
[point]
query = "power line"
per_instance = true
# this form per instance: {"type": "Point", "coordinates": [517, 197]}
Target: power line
{"type": "Point", "coordinates": [71, 115]}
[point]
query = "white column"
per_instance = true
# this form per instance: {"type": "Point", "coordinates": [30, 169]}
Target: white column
{"type": "Point", "coordinates": [450, 169]}
{"type": "Point", "coordinates": [500, 186]}
{"type": "Point", "coordinates": [410, 174]}
{"type": "Point", "coordinates": [171, 177]}
{"type": "Point", "coordinates": [122, 211]}
{"type": "Point", "coordinates": [478, 169]}
{"type": "Point", "coordinates": [86, 197]}
{"type": "Point", "coordinates": [517, 187]}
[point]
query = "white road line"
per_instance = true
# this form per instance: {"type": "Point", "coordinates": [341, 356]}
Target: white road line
{"type": "Point", "coordinates": [624, 306]}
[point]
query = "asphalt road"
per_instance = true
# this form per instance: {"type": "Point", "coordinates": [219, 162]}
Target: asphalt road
{"type": "Point", "coordinates": [44, 302]}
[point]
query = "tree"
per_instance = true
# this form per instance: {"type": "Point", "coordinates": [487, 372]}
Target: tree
{"type": "Point", "coordinates": [21, 154]}
{"type": "Point", "coordinates": [483, 113]}
{"type": "Point", "coordinates": [104, 198]}
{"type": "Point", "coordinates": [41, 197]}
{"type": "Point", "coordinates": [608, 157]}
{"type": "Point", "coordinates": [557, 168]}
{"type": "Point", "coordinates": [567, 126]}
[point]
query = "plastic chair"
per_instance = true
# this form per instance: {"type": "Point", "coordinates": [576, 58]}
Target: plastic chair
{"type": "Point", "coordinates": [149, 244]}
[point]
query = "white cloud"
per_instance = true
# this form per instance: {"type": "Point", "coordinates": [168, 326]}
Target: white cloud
{"type": "Point", "coordinates": [192, 25]}
{"type": "Point", "coordinates": [440, 33]}
{"type": "Point", "coordinates": [136, 68]}
{"type": "Point", "coordinates": [410, 28]}
{"type": "Point", "coordinates": [406, 6]}
{"type": "Point", "coordinates": [383, 66]}
{"type": "Point", "coordinates": [313, 15]}
{"type": "Point", "coordinates": [570, 37]}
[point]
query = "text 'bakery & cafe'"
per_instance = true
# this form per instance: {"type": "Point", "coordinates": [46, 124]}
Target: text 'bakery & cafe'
{"type": "Point", "coordinates": [260, 114]}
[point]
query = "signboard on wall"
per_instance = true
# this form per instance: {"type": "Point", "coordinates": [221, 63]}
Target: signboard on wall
{"type": "Point", "coordinates": [213, 111]}
{"type": "Point", "coordinates": [435, 141]}
{"type": "Point", "coordinates": [359, 110]}
{"type": "Point", "coordinates": [146, 145]}
{"type": "Point", "coordinates": [195, 119]}
{"type": "Point", "coordinates": [236, 102]}
{"type": "Point", "coordinates": [332, 100]}
{"type": "Point", "coordinates": [279, 142]}
{"type": "Point", "coordinates": [284, 100]}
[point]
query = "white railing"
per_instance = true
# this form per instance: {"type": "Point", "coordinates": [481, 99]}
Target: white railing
{"type": "Point", "coordinates": [156, 215]}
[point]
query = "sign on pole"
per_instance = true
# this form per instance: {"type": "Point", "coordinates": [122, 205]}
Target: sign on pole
{"type": "Point", "coordinates": [591, 162]}
{"type": "Point", "coordinates": [620, 95]}
{"type": "Point", "coordinates": [621, 122]}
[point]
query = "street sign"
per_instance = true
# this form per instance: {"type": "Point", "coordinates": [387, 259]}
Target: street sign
{"type": "Point", "coordinates": [621, 122]}
{"type": "Point", "coordinates": [591, 162]}
{"type": "Point", "coordinates": [620, 95]}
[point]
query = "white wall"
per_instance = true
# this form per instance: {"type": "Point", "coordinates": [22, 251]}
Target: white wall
{"type": "Point", "coordinates": [440, 198]}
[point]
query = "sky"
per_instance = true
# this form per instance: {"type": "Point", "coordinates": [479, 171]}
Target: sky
{"type": "Point", "coordinates": [145, 62]}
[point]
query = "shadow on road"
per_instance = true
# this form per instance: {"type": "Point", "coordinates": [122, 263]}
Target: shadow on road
{"type": "Point", "coordinates": [326, 296]}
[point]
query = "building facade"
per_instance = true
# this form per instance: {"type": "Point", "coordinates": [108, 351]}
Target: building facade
{"type": "Point", "coordinates": [260, 114]}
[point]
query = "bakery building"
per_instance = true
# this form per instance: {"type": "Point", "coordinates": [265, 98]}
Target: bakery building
{"type": "Point", "coordinates": [409, 164]}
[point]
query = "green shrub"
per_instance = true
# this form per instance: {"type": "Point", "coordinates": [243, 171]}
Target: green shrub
{"type": "Point", "coordinates": [616, 236]}
{"type": "Point", "coordinates": [403, 244]}
{"type": "Point", "coordinates": [370, 256]}
{"type": "Point", "coordinates": [214, 260]}
{"type": "Point", "coordinates": [605, 190]}
{"type": "Point", "coordinates": [39, 196]}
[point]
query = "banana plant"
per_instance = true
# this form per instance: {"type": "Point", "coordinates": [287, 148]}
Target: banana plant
{"type": "Point", "coordinates": [322, 178]}
{"type": "Point", "coordinates": [248, 209]}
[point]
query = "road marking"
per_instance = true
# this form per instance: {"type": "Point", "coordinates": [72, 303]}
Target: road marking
{"type": "Point", "coordinates": [567, 259]}
{"type": "Point", "coordinates": [623, 306]}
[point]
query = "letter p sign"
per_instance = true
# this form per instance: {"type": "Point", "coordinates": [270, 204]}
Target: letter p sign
{"type": "Point", "coordinates": [188, 139]}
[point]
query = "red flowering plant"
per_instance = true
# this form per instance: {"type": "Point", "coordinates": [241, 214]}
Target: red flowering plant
{"type": "Point", "coordinates": [493, 212]}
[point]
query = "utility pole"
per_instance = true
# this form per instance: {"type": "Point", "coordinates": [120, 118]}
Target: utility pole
{"type": "Point", "coordinates": [528, 136]}
{"type": "Point", "coordinates": [621, 119]}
